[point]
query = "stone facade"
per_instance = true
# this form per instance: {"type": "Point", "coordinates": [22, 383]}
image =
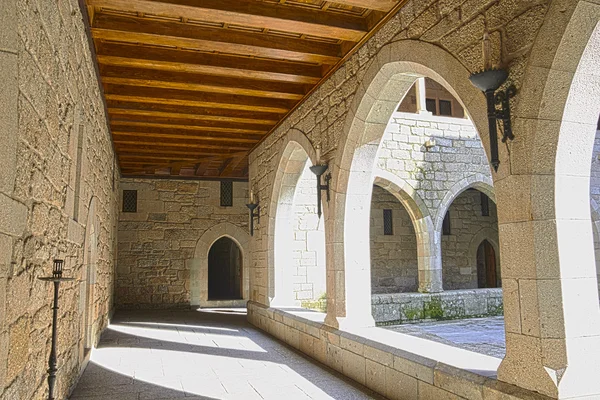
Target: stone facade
{"type": "Point", "coordinates": [158, 242]}
{"type": "Point", "coordinates": [57, 195]}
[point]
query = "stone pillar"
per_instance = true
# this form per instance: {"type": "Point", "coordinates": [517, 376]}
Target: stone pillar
{"type": "Point", "coordinates": [429, 256]}
{"type": "Point", "coordinates": [552, 318]}
{"type": "Point", "coordinates": [421, 96]}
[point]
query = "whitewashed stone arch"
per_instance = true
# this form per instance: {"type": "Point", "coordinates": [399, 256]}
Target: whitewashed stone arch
{"type": "Point", "coordinates": [386, 81]}
{"type": "Point", "coordinates": [489, 235]}
{"type": "Point", "coordinates": [295, 150]}
{"type": "Point", "coordinates": [87, 282]}
{"type": "Point", "coordinates": [544, 212]}
{"type": "Point", "coordinates": [477, 181]}
{"type": "Point", "coordinates": [199, 264]}
{"type": "Point", "coordinates": [427, 253]}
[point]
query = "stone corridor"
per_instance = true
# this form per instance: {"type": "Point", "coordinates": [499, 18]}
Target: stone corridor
{"type": "Point", "coordinates": [209, 354]}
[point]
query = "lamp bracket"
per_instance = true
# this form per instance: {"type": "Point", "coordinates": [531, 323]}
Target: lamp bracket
{"type": "Point", "coordinates": [502, 99]}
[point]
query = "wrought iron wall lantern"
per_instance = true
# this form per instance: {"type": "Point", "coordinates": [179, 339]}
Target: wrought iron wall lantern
{"type": "Point", "coordinates": [252, 206]}
{"type": "Point", "coordinates": [57, 278]}
{"type": "Point", "coordinates": [319, 169]}
{"type": "Point", "coordinates": [488, 81]}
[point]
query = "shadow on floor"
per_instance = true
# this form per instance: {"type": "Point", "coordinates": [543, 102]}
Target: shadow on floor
{"type": "Point", "coordinates": [213, 354]}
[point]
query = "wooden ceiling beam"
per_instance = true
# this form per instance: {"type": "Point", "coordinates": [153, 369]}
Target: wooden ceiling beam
{"type": "Point", "coordinates": [250, 13]}
{"type": "Point", "coordinates": [236, 85]}
{"type": "Point", "coordinates": [124, 115]}
{"type": "Point", "coordinates": [151, 32]}
{"type": "Point", "coordinates": [201, 98]}
{"type": "Point", "coordinates": [200, 88]}
{"type": "Point", "coordinates": [177, 102]}
{"type": "Point", "coordinates": [191, 144]}
{"type": "Point", "coordinates": [205, 69]}
{"type": "Point", "coordinates": [216, 131]}
{"type": "Point", "coordinates": [148, 150]}
{"type": "Point", "coordinates": [197, 59]}
{"type": "Point", "coordinates": [220, 140]}
{"type": "Point", "coordinates": [199, 113]}
{"type": "Point", "coordinates": [379, 5]}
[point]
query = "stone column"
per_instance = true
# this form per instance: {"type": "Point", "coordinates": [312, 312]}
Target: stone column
{"type": "Point", "coordinates": [552, 318]}
{"type": "Point", "coordinates": [421, 97]}
{"type": "Point", "coordinates": [429, 256]}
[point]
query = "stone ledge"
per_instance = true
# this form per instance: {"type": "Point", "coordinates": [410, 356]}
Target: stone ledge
{"type": "Point", "coordinates": [389, 370]}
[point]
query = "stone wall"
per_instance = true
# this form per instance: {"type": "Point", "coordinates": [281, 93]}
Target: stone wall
{"type": "Point", "coordinates": [57, 197]}
{"type": "Point", "coordinates": [156, 242]}
{"type": "Point", "coordinates": [373, 358]}
{"type": "Point", "coordinates": [400, 308]}
{"type": "Point", "coordinates": [457, 154]}
{"type": "Point", "coordinates": [468, 228]}
{"type": "Point", "coordinates": [393, 257]}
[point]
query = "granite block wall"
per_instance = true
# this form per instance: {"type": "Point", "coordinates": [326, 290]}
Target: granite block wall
{"type": "Point", "coordinates": [57, 195]}
{"type": "Point", "coordinates": [156, 242]}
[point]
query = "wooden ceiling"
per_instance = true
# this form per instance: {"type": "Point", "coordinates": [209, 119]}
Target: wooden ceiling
{"type": "Point", "coordinates": [191, 86]}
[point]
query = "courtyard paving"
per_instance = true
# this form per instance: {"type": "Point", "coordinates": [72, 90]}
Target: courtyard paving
{"type": "Point", "coordinates": [203, 355]}
{"type": "Point", "coordinates": [481, 335]}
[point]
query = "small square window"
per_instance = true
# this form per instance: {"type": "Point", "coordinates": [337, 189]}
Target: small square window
{"type": "Point", "coordinates": [388, 225]}
{"type": "Point", "coordinates": [446, 108]}
{"type": "Point", "coordinates": [446, 225]}
{"type": "Point", "coordinates": [130, 201]}
{"type": "Point", "coordinates": [226, 193]}
{"type": "Point", "coordinates": [431, 106]}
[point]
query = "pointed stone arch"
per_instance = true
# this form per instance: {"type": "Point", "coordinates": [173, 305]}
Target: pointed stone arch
{"type": "Point", "coordinates": [295, 151]}
{"type": "Point", "coordinates": [386, 81]}
{"type": "Point", "coordinates": [199, 264]}
{"type": "Point", "coordinates": [428, 257]}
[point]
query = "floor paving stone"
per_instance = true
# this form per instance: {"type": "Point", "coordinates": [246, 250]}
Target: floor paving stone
{"type": "Point", "coordinates": [208, 354]}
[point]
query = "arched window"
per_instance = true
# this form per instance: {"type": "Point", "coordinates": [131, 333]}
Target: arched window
{"type": "Point", "coordinates": [224, 270]}
{"type": "Point", "coordinates": [486, 266]}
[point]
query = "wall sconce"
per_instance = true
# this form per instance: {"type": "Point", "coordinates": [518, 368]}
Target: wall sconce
{"type": "Point", "coordinates": [319, 169]}
{"type": "Point", "coordinates": [253, 206]}
{"type": "Point", "coordinates": [429, 143]}
{"type": "Point", "coordinates": [488, 81]}
{"type": "Point", "coordinates": [57, 278]}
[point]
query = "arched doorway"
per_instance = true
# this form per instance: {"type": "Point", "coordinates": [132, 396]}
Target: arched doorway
{"type": "Point", "coordinates": [224, 270]}
{"type": "Point", "coordinates": [486, 266]}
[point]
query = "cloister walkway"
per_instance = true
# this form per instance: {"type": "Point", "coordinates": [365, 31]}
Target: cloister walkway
{"type": "Point", "coordinates": [209, 354]}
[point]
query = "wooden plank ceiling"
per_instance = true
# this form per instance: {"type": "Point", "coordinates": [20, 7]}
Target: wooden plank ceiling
{"type": "Point", "coordinates": [192, 85]}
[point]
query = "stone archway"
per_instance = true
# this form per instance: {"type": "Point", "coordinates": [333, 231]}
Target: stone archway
{"type": "Point", "coordinates": [296, 151]}
{"type": "Point", "coordinates": [488, 235]}
{"type": "Point", "coordinates": [427, 254]}
{"type": "Point", "coordinates": [199, 264]}
{"type": "Point", "coordinates": [386, 82]}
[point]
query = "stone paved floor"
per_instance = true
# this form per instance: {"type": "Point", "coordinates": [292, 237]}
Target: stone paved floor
{"type": "Point", "coordinates": [481, 335]}
{"type": "Point", "coordinates": [203, 355]}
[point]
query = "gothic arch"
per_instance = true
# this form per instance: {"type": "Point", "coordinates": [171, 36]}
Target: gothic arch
{"type": "Point", "coordinates": [484, 234]}
{"type": "Point", "coordinates": [386, 81]}
{"type": "Point", "coordinates": [295, 150]}
{"type": "Point", "coordinates": [477, 181]}
{"type": "Point", "coordinates": [427, 253]}
{"type": "Point", "coordinates": [199, 264]}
